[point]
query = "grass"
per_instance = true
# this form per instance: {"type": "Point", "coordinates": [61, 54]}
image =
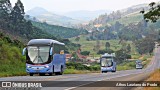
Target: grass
{"type": "Point", "coordinates": [89, 45]}
{"type": "Point", "coordinates": [13, 70]}
{"type": "Point", "coordinates": [12, 63]}
{"type": "Point", "coordinates": [114, 45]}
{"type": "Point", "coordinates": [155, 76]}
{"type": "Point", "coordinates": [127, 65]}
{"type": "Point", "coordinates": [73, 71]}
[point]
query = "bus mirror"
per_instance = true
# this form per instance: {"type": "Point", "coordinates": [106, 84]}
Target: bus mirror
{"type": "Point", "coordinates": [24, 50]}
{"type": "Point", "coordinates": [112, 64]}
{"type": "Point", "coordinates": [51, 51]}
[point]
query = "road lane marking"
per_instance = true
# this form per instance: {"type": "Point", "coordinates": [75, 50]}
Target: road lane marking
{"type": "Point", "coordinates": [101, 80]}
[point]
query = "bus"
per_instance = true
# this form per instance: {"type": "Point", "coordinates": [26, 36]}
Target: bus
{"type": "Point", "coordinates": [107, 63]}
{"type": "Point", "coordinates": [44, 56]}
{"type": "Point", "coordinates": [139, 64]}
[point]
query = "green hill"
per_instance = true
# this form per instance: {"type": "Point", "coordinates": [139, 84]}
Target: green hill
{"type": "Point", "coordinates": [59, 31]}
{"type": "Point", "coordinates": [131, 18]}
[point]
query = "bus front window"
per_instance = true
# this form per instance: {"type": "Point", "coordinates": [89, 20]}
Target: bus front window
{"type": "Point", "coordinates": [38, 54]}
{"type": "Point", "coordinates": [106, 62]}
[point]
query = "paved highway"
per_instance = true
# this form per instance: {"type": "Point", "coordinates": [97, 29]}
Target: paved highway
{"type": "Point", "coordinates": [126, 75]}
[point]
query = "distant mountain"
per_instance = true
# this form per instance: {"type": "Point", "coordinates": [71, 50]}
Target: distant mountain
{"type": "Point", "coordinates": [85, 15]}
{"type": "Point", "coordinates": [125, 16]}
{"type": "Point", "coordinates": [37, 11]}
{"type": "Point", "coordinates": [45, 16]}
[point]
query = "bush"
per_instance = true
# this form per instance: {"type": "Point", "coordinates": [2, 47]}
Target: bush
{"type": "Point", "coordinates": [86, 53]}
{"type": "Point", "coordinates": [10, 57]}
{"type": "Point", "coordinates": [105, 51]}
{"type": "Point", "coordinates": [79, 66]}
{"type": "Point", "coordinates": [128, 56]}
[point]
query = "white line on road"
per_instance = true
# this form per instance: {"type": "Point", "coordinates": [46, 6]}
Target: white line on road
{"type": "Point", "coordinates": [100, 80]}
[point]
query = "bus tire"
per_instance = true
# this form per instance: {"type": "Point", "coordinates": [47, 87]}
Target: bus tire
{"type": "Point", "coordinates": [56, 73]}
{"type": "Point", "coordinates": [114, 70]}
{"type": "Point", "coordinates": [31, 74]}
{"type": "Point", "coordinates": [60, 73]}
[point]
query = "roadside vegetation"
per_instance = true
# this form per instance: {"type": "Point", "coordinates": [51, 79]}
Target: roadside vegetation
{"type": "Point", "coordinates": [90, 45]}
{"type": "Point", "coordinates": [77, 68]}
{"type": "Point", "coordinates": [127, 65]}
{"type": "Point", "coordinates": [12, 63]}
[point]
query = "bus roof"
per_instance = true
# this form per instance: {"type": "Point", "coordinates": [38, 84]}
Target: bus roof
{"type": "Point", "coordinates": [43, 42]}
{"type": "Point", "coordinates": [108, 55]}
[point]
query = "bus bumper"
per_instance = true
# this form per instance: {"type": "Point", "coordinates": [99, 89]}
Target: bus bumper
{"type": "Point", "coordinates": [107, 69]}
{"type": "Point", "coordinates": [39, 68]}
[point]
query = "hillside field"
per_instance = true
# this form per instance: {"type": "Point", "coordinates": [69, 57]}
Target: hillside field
{"type": "Point", "coordinates": [114, 45]}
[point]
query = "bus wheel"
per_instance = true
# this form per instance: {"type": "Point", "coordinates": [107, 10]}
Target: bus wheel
{"type": "Point", "coordinates": [56, 73]}
{"type": "Point", "coordinates": [114, 70]}
{"type": "Point", "coordinates": [60, 73]}
{"type": "Point", "coordinates": [31, 74]}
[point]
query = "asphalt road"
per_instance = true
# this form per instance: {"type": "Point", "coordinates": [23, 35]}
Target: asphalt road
{"type": "Point", "coordinates": [88, 81]}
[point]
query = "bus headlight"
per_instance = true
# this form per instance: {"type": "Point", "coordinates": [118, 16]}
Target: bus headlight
{"type": "Point", "coordinates": [47, 66]}
{"type": "Point", "coordinates": [28, 66]}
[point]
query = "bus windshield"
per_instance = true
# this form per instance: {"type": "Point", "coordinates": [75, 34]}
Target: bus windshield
{"type": "Point", "coordinates": [138, 62]}
{"type": "Point", "coordinates": [107, 61]}
{"type": "Point", "coordinates": [38, 54]}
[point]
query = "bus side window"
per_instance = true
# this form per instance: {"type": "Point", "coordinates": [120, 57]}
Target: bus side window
{"type": "Point", "coordinates": [55, 48]}
{"type": "Point", "coordinates": [59, 49]}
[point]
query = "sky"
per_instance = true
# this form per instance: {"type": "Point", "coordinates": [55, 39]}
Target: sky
{"type": "Point", "coordinates": [76, 5]}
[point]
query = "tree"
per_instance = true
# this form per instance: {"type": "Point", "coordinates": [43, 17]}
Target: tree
{"type": "Point", "coordinates": [105, 51]}
{"type": "Point", "coordinates": [153, 14]}
{"type": "Point", "coordinates": [120, 55]}
{"type": "Point", "coordinates": [128, 48]}
{"type": "Point", "coordinates": [77, 39]}
{"type": "Point", "coordinates": [18, 13]}
{"type": "Point", "coordinates": [97, 46]}
{"type": "Point", "coordinates": [145, 46]}
{"type": "Point", "coordinates": [107, 45]}
{"type": "Point", "coordinates": [5, 9]}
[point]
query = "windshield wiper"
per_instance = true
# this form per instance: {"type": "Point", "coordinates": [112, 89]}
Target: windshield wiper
{"type": "Point", "coordinates": [41, 59]}
{"type": "Point", "coordinates": [34, 59]}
